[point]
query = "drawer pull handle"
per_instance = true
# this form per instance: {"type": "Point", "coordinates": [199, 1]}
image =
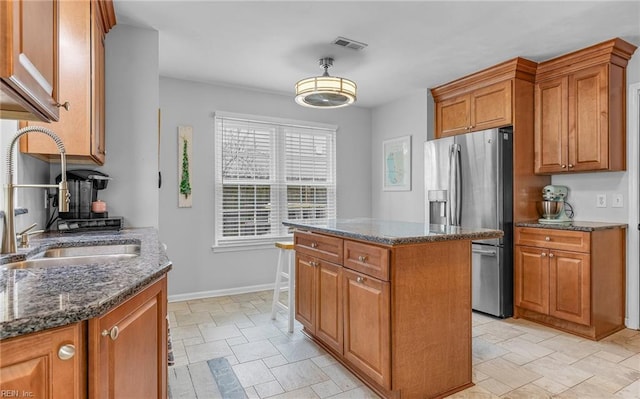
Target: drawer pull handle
{"type": "Point", "coordinates": [113, 333]}
{"type": "Point", "coordinates": [362, 258]}
{"type": "Point", "coordinates": [314, 245]}
{"type": "Point", "coordinates": [360, 279]}
{"type": "Point", "coordinates": [66, 352]}
{"type": "Point", "coordinates": [543, 254]}
{"type": "Point", "coordinates": [547, 238]}
{"type": "Point", "coordinates": [551, 255]}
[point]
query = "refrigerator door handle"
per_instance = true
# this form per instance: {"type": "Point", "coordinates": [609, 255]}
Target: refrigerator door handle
{"type": "Point", "coordinates": [455, 184]}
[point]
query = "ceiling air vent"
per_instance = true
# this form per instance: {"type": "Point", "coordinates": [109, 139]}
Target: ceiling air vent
{"type": "Point", "coordinates": [348, 43]}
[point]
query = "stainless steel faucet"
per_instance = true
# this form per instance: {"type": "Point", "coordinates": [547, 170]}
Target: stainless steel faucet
{"type": "Point", "coordinates": [9, 242]}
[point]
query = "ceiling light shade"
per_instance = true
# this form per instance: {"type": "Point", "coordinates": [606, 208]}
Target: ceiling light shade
{"type": "Point", "coordinates": [325, 91]}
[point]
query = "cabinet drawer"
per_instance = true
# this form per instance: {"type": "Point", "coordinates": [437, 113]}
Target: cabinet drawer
{"type": "Point", "coordinates": [578, 241]}
{"type": "Point", "coordinates": [367, 259]}
{"type": "Point", "coordinates": [318, 245]}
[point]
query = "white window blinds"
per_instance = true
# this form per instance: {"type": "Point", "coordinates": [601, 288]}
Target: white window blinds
{"type": "Point", "coordinates": [268, 171]}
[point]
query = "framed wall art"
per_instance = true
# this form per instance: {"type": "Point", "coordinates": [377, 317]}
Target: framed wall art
{"type": "Point", "coordinates": [396, 164]}
{"type": "Point", "coordinates": [185, 138]}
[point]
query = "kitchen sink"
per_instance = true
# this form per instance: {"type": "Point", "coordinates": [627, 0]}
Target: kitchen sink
{"type": "Point", "coordinates": [127, 250]}
{"type": "Point", "coordinates": [74, 256]}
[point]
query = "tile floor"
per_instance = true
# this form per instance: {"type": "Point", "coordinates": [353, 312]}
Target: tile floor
{"type": "Point", "coordinates": [511, 358]}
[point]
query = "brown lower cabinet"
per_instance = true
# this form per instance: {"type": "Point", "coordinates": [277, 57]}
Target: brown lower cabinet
{"type": "Point", "coordinates": [398, 317]}
{"type": "Point", "coordinates": [49, 364]}
{"type": "Point", "coordinates": [122, 354]}
{"type": "Point", "coordinates": [571, 280]}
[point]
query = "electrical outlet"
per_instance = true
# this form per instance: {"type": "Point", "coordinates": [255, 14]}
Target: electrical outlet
{"type": "Point", "coordinates": [601, 201]}
{"type": "Point", "coordinates": [618, 201]}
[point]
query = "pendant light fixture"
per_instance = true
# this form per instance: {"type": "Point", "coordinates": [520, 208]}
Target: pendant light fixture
{"type": "Point", "coordinates": [325, 91]}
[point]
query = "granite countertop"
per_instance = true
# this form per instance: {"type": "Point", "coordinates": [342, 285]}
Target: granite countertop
{"type": "Point", "coordinates": [39, 298]}
{"type": "Point", "coordinates": [392, 232]}
{"type": "Point", "coordinates": [576, 225]}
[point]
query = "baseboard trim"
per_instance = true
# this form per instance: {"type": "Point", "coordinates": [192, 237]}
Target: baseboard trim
{"type": "Point", "coordinates": [227, 291]}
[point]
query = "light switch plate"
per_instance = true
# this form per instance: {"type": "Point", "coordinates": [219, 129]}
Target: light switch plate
{"type": "Point", "coordinates": [601, 201]}
{"type": "Point", "coordinates": [618, 201]}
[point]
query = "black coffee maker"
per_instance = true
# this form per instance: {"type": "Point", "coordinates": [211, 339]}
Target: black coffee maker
{"type": "Point", "coordinates": [84, 185]}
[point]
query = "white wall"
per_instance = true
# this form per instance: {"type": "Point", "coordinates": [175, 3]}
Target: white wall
{"type": "Point", "coordinates": [407, 116]}
{"type": "Point", "coordinates": [189, 232]}
{"type": "Point", "coordinates": [132, 102]}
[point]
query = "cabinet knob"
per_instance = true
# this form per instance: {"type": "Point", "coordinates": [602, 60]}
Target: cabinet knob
{"type": "Point", "coordinates": [547, 238]}
{"type": "Point", "coordinates": [570, 165]}
{"type": "Point", "coordinates": [66, 105]}
{"type": "Point", "coordinates": [543, 254]}
{"type": "Point", "coordinates": [113, 333]}
{"type": "Point", "coordinates": [66, 352]}
{"type": "Point", "coordinates": [313, 263]}
{"type": "Point", "coordinates": [563, 166]}
{"type": "Point", "coordinates": [362, 258]}
{"type": "Point", "coordinates": [314, 245]}
{"type": "Point", "coordinates": [551, 255]}
{"type": "Point", "coordinates": [360, 279]}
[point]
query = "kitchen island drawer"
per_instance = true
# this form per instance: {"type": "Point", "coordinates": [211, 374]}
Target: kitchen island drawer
{"type": "Point", "coordinates": [568, 240]}
{"type": "Point", "coordinates": [318, 245]}
{"type": "Point", "coordinates": [367, 259]}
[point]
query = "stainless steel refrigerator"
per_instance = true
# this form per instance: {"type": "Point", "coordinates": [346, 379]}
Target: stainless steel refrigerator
{"type": "Point", "coordinates": [469, 183]}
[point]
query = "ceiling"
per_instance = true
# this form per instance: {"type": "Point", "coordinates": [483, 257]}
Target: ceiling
{"type": "Point", "coordinates": [412, 45]}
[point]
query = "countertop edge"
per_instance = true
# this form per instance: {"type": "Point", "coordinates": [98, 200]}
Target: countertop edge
{"type": "Point", "coordinates": [479, 235]}
{"type": "Point", "coordinates": [575, 226]}
{"type": "Point", "coordinates": [17, 328]}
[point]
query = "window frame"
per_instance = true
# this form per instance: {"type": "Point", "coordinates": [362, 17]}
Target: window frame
{"type": "Point", "coordinates": [279, 182]}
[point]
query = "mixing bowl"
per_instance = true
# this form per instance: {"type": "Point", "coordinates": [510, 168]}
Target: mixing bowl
{"type": "Point", "coordinates": [550, 209]}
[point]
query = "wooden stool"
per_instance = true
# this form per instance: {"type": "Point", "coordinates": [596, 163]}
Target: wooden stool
{"type": "Point", "coordinates": [289, 274]}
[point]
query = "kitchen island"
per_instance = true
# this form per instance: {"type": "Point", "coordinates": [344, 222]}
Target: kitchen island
{"type": "Point", "coordinates": [86, 328]}
{"type": "Point", "coordinates": [390, 300]}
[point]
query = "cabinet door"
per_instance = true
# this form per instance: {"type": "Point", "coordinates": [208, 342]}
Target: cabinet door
{"type": "Point", "coordinates": [588, 119]}
{"type": "Point", "coordinates": [532, 279]}
{"type": "Point", "coordinates": [81, 128]}
{"type": "Point", "coordinates": [569, 286]}
{"type": "Point", "coordinates": [491, 106]}
{"type": "Point", "coordinates": [29, 65]}
{"type": "Point", "coordinates": [367, 326]}
{"type": "Point", "coordinates": [329, 305]}
{"type": "Point", "coordinates": [305, 291]}
{"type": "Point", "coordinates": [128, 347]}
{"type": "Point", "coordinates": [551, 126]}
{"type": "Point", "coordinates": [453, 116]}
{"type": "Point", "coordinates": [33, 366]}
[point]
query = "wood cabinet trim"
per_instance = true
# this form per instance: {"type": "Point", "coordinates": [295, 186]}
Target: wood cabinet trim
{"type": "Point", "coordinates": [517, 68]}
{"type": "Point", "coordinates": [615, 51]}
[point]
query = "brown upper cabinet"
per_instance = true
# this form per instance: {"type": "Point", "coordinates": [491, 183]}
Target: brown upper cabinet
{"type": "Point", "coordinates": [29, 66]}
{"type": "Point", "coordinates": [83, 25]}
{"type": "Point", "coordinates": [480, 101]}
{"type": "Point", "coordinates": [580, 110]}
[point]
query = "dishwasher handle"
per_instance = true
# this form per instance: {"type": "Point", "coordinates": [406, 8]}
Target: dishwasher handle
{"type": "Point", "coordinates": [486, 252]}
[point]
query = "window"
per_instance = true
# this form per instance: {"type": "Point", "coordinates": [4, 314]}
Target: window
{"type": "Point", "coordinates": [267, 171]}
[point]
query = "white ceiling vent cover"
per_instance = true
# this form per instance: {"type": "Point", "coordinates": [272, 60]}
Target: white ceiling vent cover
{"type": "Point", "coordinates": [348, 43]}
